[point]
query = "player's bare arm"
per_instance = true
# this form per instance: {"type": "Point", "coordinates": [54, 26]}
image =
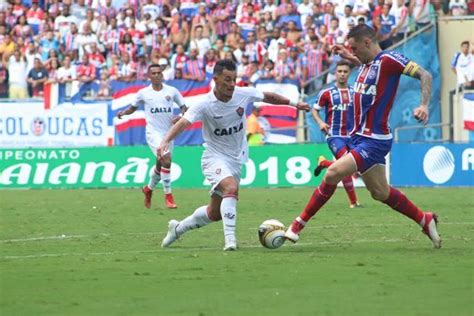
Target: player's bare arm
{"type": "Point", "coordinates": [322, 125]}
{"type": "Point", "coordinates": [346, 54]}
{"type": "Point", "coordinates": [128, 111]}
{"type": "Point", "coordinates": [177, 129]}
{"type": "Point", "coordinates": [274, 98]}
{"type": "Point", "coordinates": [421, 113]}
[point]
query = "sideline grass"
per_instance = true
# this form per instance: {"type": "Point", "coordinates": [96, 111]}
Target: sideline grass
{"type": "Point", "coordinates": [96, 252]}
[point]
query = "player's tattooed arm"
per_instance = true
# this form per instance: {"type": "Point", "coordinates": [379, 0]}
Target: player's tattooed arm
{"type": "Point", "coordinates": [274, 98]}
{"type": "Point", "coordinates": [416, 71]}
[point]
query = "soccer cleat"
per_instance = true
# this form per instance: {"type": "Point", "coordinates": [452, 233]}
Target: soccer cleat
{"type": "Point", "coordinates": [172, 235]}
{"type": "Point", "coordinates": [148, 192]}
{"type": "Point", "coordinates": [169, 201]}
{"type": "Point", "coordinates": [230, 245]}
{"type": "Point", "coordinates": [430, 228]}
{"type": "Point", "coordinates": [355, 205]}
{"type": "Point", "coordinates": [319, 168]}
{"type": "Point", "coordinates": [293, 232]}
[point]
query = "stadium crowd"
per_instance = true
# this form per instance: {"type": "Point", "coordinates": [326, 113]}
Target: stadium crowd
{"type": "Point", "coordinates": [85, 41]}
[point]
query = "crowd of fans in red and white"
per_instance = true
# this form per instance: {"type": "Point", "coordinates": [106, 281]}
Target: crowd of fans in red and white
{"type": "Point", "coordinates": [85, 41]}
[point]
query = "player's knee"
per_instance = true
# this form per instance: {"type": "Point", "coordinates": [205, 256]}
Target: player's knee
{"type": "Point", "coordinates": [165, 161]}
{"type": "Point", "coordinates": [230, 189]}
{"type": "Point", "coordinates": [379, 194]}
{"type": "Point", "coordinates": [334, 175]}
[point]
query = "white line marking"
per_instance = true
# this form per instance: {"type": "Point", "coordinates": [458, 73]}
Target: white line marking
{"type": "Point", "coordinates": [64, 237]}
{"type": "Point", "coordinates": [191, 249]}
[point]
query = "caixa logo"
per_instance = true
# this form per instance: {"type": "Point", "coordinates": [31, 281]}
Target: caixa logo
{"type": "Point", "coordinates": [439, 164]}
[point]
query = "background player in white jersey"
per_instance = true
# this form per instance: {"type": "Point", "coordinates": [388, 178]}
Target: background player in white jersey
{"type": "Point", "coordinates": [158, 100]}
{"type": "Point", "coordinates": [222, 112]}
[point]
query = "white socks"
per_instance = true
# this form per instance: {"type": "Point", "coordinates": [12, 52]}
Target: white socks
{"type": "Point", "coordinates": [166, 180]}
{"type": "Point", "coordinates": [229, 216]}
{"type": "Point", "coordinates": [154, 179]}
{"type": "Point", "coordinates": [196, 220]}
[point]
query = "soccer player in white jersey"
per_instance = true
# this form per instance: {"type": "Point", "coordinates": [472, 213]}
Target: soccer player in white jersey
{"type": "Point", "coordinates": [222, 112]}
{"type": "Point", "coordinates": [158, 100]}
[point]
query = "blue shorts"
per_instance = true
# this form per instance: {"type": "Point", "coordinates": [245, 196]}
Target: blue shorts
{"type": "Point", "coordinates": [338, 145]}
{"type": "Point", "coordinates": [368, 152]}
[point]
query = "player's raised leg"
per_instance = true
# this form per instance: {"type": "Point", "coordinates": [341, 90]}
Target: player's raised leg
{"type": "Point", "coordinates": [336, 172]}
{"type": "Point", "coordinates": [376, 182]}
{"type": "Point", "coordinates": [323, 163]}
{"type": "Point", "coordinates": [201, 217]}
{"type": "Point", "coordinates": [166, 180]}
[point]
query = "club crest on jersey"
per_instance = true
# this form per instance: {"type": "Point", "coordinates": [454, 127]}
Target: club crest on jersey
{"type": "Point", "coordinates": [373, 73]}
{"type": "Point", "coordinates": [240, 111]}
{"type": "Point", "coordinates": [168, 98]}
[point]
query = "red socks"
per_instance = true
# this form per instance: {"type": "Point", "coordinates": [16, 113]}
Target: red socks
{"type": "Point", "coordinates": [399, 202]}
{"type": "Point", "coordinates": [349, 186]}
{"type": "Point", "coordinates": [320, 196]}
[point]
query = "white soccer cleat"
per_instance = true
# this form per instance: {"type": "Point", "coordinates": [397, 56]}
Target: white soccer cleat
{"type": "Point", "coordinates": [230, 244]}
{"type": "Point", "coordinates": [431, 230]}
{"type": "Point", "coordinates": [172, 235]}
{"type": "Point", "coordinates": [291, 236]}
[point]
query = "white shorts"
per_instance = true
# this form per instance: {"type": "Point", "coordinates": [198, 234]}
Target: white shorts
{"type": "Point", "coordinates": [154, 140]}
{"type": "Point", "coordinates": [216, 169]}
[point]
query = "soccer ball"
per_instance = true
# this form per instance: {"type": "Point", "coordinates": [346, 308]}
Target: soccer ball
{"type": "Point", "coordinates": [271, 234]}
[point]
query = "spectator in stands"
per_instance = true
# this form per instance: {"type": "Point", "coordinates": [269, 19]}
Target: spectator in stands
{"type": "Point", "coordinates": [86, 71]}
{"type": "Point", "coordinates": [62, 23]}
{"type": "Point", "coordinates": [17, 88]}
{"type": "Point", "coordinates": [142, 68]}
{"type": "Point", "coordinates": [401, 19]}
{"type": "Point", "coordinates": [240, 51]}
{"type": "Point", "coordinates": [282, 70]}
{"type": "Point", "coordinates": [221, 19]}
{"type": "Point", "coordinates": [458, 7]}
{"type": "Point", "coordinates": [463, 64]}
{"type": "Point", "coordinates": [53, 69]}
{"type": "Point", "coordinates": [128, 47]}
{"type": "Point", "coordinates": [36, 79]}
{"type": "Point", "coordinates": [267, 71]}
{"type": "Point", "coordinates": [67, 75]}
{"type": "Point", "coordinates": [293, 33]}
{"type": "Point", "coordinates": [255, 132]}
{"type": "Point", "coordinates": [105, 90]}
{"type": "Point", "coordinates": [34, 16]}
{"type": "Point", "coordinates": [7, 47]}
{"type": "Point", "coordinates": [421, 12]}
{"type": "Point", "coordinates": [49, 42]}
{"type": "Point", "coordinates": [178, 60]}
{"type": "Point", "coordinates": [179, 29]}
{"type": "Point", "coordinates": [85, 39]}
{"type": "Point", "coordinates": [199, 41]}
{"type": "Point", "coordinates": [289, 15]}
{"type": "Point", "coordinates": [194, 67]}
{"type": "Point", "coordinates": [387, 26]}
{"type": "Point", "coordinates": [22, 29]}
{"type": "Point", "coordinates": [127, 70]}
{"type": "Point", "coordinates": [210, 60]}
{"type": "Point", "coordinates": [3, 81]}
{"type": "Point", "coordinates": [234, 36]}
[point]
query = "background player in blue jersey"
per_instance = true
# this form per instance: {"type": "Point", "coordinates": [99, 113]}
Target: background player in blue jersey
{"type": "Point", "coordinates": [371, 139]}
{"type": "Point", "coordinates": [337, 102]}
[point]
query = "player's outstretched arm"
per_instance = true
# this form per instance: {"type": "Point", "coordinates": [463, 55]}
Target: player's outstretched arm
{"type": "Point", "coordinates": [274, 98]}
{"type": "Point", "coordinates": [128, 111]}
{"type": "Point", "coordinates": [177, 128]}
{"type": "Point", "coordinates": [421, 113]}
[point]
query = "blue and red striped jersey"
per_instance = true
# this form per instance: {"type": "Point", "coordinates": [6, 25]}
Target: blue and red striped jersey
{"type": "Point", "coordinates": [338, 105]}
{"type": "Point", "coordinates": [374, 92]}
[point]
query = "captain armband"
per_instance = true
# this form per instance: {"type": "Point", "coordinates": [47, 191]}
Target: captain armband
{"type": "Point", "coordinates": [411, 68]}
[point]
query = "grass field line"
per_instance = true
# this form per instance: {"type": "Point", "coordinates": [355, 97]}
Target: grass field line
{"type": "Point", "coordinates": [62, 237]}
{"type": "Point", "coordinates": [191, 249]}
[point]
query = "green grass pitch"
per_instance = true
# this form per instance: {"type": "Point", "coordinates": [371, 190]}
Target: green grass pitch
{"type": "Point", "coordinates": [97, 252]}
